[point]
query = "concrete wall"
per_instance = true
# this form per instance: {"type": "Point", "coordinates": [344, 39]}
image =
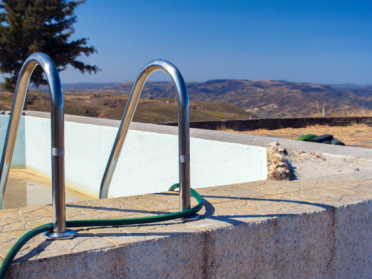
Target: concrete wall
{"type": "Point", "coordinates": [276, 123]}
{"type": "Point", "coordinates": [148, 162]}
{"type": "Point", "coordinates": [19, 154]}
{"type": "Point", "coordinates": [334, 243]}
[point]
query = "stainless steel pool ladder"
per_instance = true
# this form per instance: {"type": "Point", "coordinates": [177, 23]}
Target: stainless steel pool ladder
{"type": "Point", "coordinates": [183, 129]}
{"type": "Point", "coordinates": [58, 138]}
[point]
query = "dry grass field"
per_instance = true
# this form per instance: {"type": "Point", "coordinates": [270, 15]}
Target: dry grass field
{"type": "Point", "coordinates": [358, 135]}
{"type": "Point", "coordinates": [112, 107]}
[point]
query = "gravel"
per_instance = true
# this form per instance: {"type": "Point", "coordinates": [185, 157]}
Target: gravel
{"type": "Point", "coordinates": [307, 165]}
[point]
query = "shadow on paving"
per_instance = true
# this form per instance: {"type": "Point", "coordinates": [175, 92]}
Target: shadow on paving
{"type": "Point", "coordinates": [209, 214]}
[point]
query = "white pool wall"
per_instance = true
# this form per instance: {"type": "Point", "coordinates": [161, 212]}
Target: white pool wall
{"type": "Point", "coordinates": [19, 155]}
{"type": "Point", "coordinates": [148, 162]}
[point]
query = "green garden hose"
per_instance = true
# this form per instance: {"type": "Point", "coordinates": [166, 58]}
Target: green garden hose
{"type": "Point", "coordinates": [307, 137]}
{"type": "Point", "coordinates": [5, 263]}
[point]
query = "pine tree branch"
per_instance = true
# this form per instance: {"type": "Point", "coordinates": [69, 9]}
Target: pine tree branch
{"type": "Point", "coordinates": [29, 26]}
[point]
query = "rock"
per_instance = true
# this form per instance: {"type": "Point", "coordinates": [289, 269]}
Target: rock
{"type": "Point", "coordinates": [277, 165]}
{"type": "Point", "coordinates": [273, 144]}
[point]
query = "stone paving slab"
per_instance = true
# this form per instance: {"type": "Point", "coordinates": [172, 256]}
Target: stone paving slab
{"type": "Point", "coordinates": [225, 206]}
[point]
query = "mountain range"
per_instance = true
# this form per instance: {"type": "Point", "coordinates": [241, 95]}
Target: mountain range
{"type": "Point", "coordinates": [263, 98]}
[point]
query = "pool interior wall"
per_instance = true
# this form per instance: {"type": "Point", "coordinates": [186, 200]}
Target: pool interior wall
{"type": "Point", "coordinates": [27, 188]}
{"type": "Point", "coordinates": [148, 161]}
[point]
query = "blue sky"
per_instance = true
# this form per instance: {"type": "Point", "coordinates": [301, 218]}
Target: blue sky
{"type": "Point", "coordinates": [310, 41]}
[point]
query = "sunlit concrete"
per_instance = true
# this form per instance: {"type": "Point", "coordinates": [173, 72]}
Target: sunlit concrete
{"type": "Point", "coordinates": [318, 228]}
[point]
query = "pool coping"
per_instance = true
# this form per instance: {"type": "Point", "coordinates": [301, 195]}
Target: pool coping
{"type": "Point", "coordinates": [246, 206]}
{"type": "Point", "coordinates": [333, 150]}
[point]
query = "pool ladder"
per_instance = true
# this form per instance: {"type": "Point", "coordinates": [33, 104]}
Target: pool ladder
{"type": "Point", "coordinates": [183, 128]}
{"type": "Point", "coordinates": [57, 132]}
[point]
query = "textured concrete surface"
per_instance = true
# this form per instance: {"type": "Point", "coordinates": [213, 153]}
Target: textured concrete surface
{"type": "Point", "coordinates": [319, 228]}
{"type": "Point", "coordinates": [307, 165]}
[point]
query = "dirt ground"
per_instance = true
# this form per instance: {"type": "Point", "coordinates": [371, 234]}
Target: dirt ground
{"type": "Point", "coordinates": [358, 135]}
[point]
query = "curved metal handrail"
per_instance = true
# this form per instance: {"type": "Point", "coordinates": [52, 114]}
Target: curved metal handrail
{"type": "Point", "coordinates": [183, 128]}
{"type": "Point", "coordinates": [58, 138]}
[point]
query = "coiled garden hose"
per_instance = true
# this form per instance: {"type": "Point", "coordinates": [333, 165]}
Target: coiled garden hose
{"type": "Point", "coordinates": [5, 263]}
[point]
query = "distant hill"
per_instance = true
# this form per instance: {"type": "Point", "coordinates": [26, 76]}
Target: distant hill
{"type": "Point", "coordinates": [87, 85]}
{"type": "Point", "coordinates": [350, 85]}
{"type": "Point", "coordinates": [276, 98]}
{"type": "Point", "coordinates": [79, 86]}
{"type": "Point", "coordinates": [112, 107]}
{"type": "Point", "coordinates": [265, 98]}
{"type": "Point", "coordinates": [357, 89]}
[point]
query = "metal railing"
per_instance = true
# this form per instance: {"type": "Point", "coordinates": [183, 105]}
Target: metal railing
{"type": "Point", "coordinates": [58, 138]}
{"type": "Point", "coordinates": [57, 135]}
{"type": "Point", "coordinates": [183, 128]}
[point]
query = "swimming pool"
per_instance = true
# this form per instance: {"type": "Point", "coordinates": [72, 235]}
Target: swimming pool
{"type": "Point", "coordinates": [148, 161]}
{"type": "Point", "coordinates": [26, 188]}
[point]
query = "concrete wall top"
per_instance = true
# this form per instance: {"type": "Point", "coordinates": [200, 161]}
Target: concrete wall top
{"type": "Point", "coordinates": [276, 123]}
{"type": "Point", "coordinates": [319, 228]}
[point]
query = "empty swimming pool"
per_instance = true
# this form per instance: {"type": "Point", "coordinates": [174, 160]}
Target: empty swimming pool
{"type": "Point", "coordinates": [26, 188]}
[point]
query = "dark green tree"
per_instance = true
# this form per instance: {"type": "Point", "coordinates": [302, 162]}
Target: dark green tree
{"type": "Point", "coordinates": [29, 26]}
